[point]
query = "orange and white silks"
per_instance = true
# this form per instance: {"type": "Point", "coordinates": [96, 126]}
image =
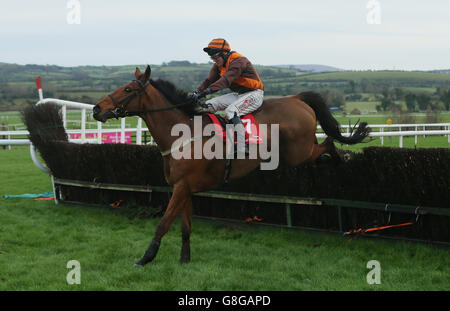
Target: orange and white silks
{"type": "Point", "coordinates": [247, 82]}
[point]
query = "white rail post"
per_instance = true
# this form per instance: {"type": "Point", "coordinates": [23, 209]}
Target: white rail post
{"type": "Point", "coordinates": [415, 137]}
{"type": "Point", "coordinates": [382, 141]}
{"type": "Point", "coordinates": [122, 130]}
{"type": "Point", "coordinates": [139, 132]}
{"type": "Point", "coordinates": [5, 127]}
{"type": "Point", "coordinates": [99, 132]}
{"type": "Point", "coordinates": [83, 125]}
{"type": "Point", "coordinates": [64, 112]}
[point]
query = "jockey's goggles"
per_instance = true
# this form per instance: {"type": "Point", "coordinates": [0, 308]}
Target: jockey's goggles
{"type": "Point", "coordinates": [216, 55]}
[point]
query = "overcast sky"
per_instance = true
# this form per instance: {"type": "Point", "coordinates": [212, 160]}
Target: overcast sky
{"type": "Point", "coordinates": [411, 34]}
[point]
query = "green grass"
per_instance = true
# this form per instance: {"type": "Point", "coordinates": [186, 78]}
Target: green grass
{"type": "Point", "coordinates": [362, 106]}
{"type": "Point", "coordinates": [421, 89]}
{"type": "Point", "coordinates": [38, 238]}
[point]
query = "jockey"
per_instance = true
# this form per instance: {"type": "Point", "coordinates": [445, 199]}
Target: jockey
{"type": "Point", "coordinates": [234, 71]}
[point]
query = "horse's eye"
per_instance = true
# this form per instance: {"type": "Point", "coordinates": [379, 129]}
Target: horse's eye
{"type": "Point", "coordinates": [127, 89]}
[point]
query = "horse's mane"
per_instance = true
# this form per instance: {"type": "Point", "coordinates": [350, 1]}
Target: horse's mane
{"type": "Point", "coordinates": [176, 97]}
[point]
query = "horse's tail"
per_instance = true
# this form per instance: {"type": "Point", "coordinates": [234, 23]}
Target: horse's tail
{"type": "Point", "coordinates": [329, 124]}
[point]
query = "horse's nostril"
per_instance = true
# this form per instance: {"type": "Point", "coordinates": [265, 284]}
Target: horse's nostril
{"type": "Point", "coordinates": [96, 109]}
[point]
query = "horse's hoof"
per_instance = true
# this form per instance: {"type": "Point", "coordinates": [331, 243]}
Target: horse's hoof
{"type": "Point", "coordinates": [347, 157]}
{"type": "Point", "coordinates": [185, 260]}
{"type": "Point", "coordinates": [325, 156]}
{"type": "Point", "coordinates": [140, 264]}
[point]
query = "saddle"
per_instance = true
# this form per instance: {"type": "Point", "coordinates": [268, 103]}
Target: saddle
{"type": "Point", "coordinates": [252, 132]}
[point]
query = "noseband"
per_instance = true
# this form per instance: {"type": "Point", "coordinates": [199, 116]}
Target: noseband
{"type": "Point", "coordinates": [120, 106]}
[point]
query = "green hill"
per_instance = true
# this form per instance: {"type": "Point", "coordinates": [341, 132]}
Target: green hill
{"type": "Point", "coordinates": [406, 76]}
{"type": "Point", "coordinates": [90, 83]}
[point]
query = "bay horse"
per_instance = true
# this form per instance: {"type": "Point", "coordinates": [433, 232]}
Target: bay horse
{"type": "Point", "coordinates": [162, 106]}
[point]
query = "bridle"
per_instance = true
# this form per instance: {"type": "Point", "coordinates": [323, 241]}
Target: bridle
{"type": "Point", "coordinates": [120, 106]}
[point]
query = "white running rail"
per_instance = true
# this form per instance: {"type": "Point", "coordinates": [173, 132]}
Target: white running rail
{"type": "Point", "coordinates": [378, 130]}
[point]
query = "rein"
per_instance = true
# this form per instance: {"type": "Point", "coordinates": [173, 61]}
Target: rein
{"type": "Point", "coordinates": [120, 106]}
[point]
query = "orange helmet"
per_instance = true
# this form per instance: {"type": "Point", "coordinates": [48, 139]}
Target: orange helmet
{"type": "Point", "coordinates": [217, 45]}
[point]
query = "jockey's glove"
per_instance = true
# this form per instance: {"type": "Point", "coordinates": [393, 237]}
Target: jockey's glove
{"type": "Point", "coordinates": [197, 94]}
{"type": "Point", "coordinates": [208, 108]}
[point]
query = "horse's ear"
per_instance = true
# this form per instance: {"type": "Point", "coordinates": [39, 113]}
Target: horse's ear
{"type": "Point", "coordinates": [137, 73]}
{"type": "Point", "coordinates": [147, 73]}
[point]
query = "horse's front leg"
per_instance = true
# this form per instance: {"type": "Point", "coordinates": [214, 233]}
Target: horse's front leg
{"type": "Point", "coordinates": [177, 204]}
{"type": "Point", "coordinates": [186, 216]}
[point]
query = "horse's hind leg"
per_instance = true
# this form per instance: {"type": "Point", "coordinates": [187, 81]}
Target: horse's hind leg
{"type": "Point", "coordinates": [320, 149]}
{"type": "Point", "coordinates": [180, 196]}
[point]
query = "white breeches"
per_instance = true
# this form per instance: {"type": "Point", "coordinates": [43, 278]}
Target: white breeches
{"type": "Point", "coordinates": [234, 103]}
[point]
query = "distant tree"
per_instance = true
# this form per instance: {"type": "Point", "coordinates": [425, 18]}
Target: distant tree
{"type": "Point", "coordinates": [334, 98]}
{"type": "Point", "coordinates": [352, 85]}
{"type": "Point", "coordinates": [445, 98]}
{"type": "Point", "coordinates": [79, 75]}
{"type": "Point", "coordinates": [10, 91]}
{"type": "Point", "coordinates": [179, 63]}
{"type": "Point", "coordinates": [353, 97]}
{"type": "Point", "coordinates": [366, 85]}
{"type": "Point", "coordinates": [87, 99]}
{"type": "Point", "coordinates": [385, 92]}
{"type": "Point", "coordinates": [410, 99]}
{"type": "Point", "coordinates": [399, 93]}
{"type": "Point", "coordinates": [386, 103]}
{"type": "Point", "coordinates": [423, 101]}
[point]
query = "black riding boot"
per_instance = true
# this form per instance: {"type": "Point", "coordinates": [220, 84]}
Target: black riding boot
{"type": "Point", "coordinates": [241, 147]}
